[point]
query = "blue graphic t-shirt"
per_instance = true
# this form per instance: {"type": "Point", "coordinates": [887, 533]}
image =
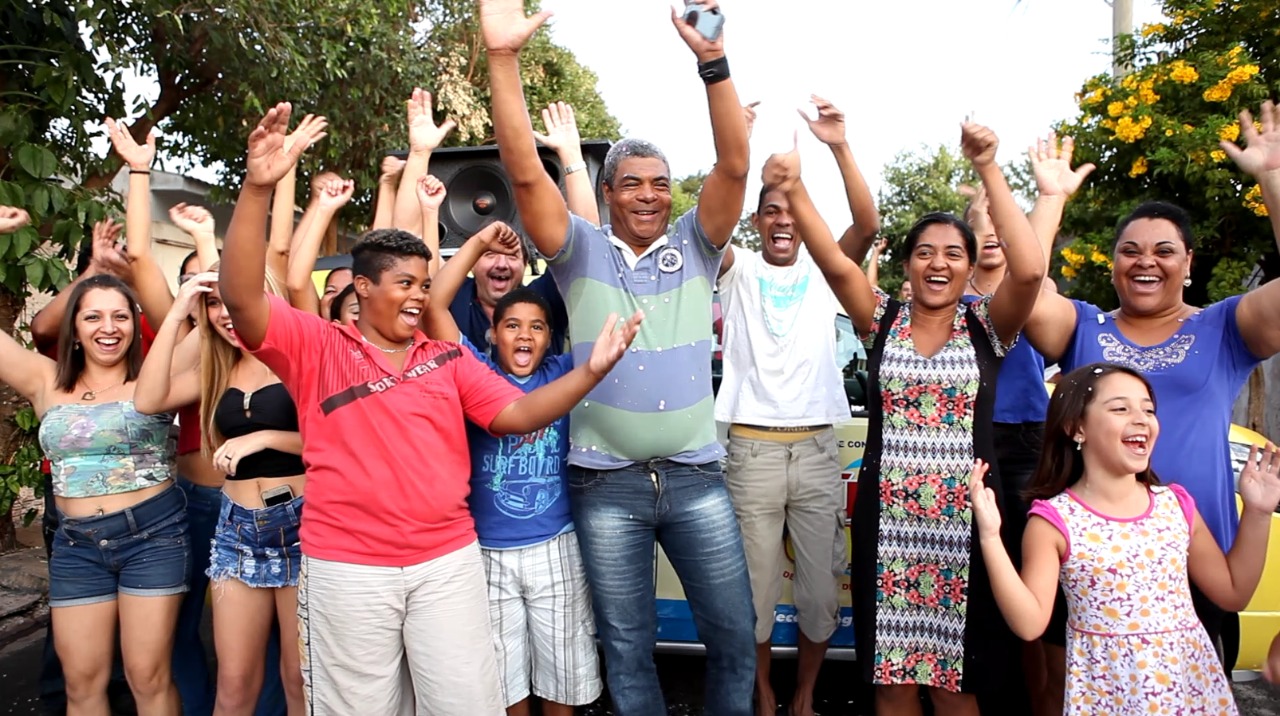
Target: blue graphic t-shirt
{"type": "Point", "coordinates": [1196, 375]}
{"type": "Point", "coordinates": [517, 481]}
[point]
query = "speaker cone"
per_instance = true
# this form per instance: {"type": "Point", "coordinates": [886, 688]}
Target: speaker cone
{"type": "Point", "coordinates": [478, 196]}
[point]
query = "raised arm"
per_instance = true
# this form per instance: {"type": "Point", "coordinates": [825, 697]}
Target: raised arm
{"type": "Point", "coordinates": [48, 320]}
{"type": "Point", "coordinates": [1056, 182]}
{"type": "Point", "coordinates": [843, 274]}
{"type": "Point", "coordinates": [148, 277]}
{"type": "Point", "coordinates": [1258, 313]}
{"type": "Point", "coordinates": [445, 285]}
{"type": "Point", "coordinates": [199, 225]}
{"type": "Point", "coordinates": [1230, 580]}
{"type": "Point", "coordinates": [430, 193]}
{"type": "Point", "coordinates": [388, 180]}
{"type": "Point", "coordinates": [12, 218]}
{"type": "Point", "coordinates": [543, 212]}
{"type": "Point", "coordinates": [1025, 266]}
{"type": "Point", "coordinates": [873, 261]}
{"type": "Point", "coordinates": [328, 197]}
{"type": "Point", "coordinates": [25, 371]}
{"type": "Point", "coordinates": [161, 388]}
{"type": "Point", "coordinates": [425, 136]}
{"type": "Point", "coordinates": [1026, 601]}
{"type": "Point", "coordinates": [562, 136]}
{"type": "Point", "coordinates": [829, 128]}
{"type": "Point", "coordinates": [243, 271]}
{"type": "Point", "coordinates": [547, 404]}
{"type": "Point", "coordinates": [725, 188]}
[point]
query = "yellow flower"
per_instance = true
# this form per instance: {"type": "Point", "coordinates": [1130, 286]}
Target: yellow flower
{"type": "Point", "coordinates": [1115, 109]}
{"type": "Point", "coordinates": [1188, 128]}
{"type": "Point", "coordinates": [1100, 258]}
{"type": "Point", "coordinates": [1131, 101]}
{"type": "Point", "coordinates": [1218, 155]}
{"type": "Point", "coordinates": [1168, 132]}
{"type": "Point", "coordinates": [1147, 92]}
{"type": "Point", "coordinates": [1233, 56]}
{"type": "Point", "coordinates": [1253, 201]}
{"type": "Point", "coordinates": [1068, 272]}
{"type": "Point", "coordinates": [1129, 130]}
{"type": "Point", "coordinates": [1229, 133]}
{"type": "Point", "coordinates": [1181, 72]}
{"type": "Point", "coordinates": [1094, 97]}
{"type": "Point", "coordinates": [1139, 167]}
{"type": "Point", "coordinates": [1074, 258]}
{"type": "Point", "coordinates": [1241, 74]}
{"type": "Point", "coordinates": [1129, 82]}
{"type": "Point", "coordinates": [1153, 29]}
{"type": "Point", "coordinates": [1220, 92]}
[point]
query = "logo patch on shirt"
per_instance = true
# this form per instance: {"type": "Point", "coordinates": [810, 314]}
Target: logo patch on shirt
{"type": "Point", "coordinates": [670, 260]}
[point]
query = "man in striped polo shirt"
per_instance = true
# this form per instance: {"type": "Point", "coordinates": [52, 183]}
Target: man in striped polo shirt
{"type": "Point", "coordinates": [644, 457]}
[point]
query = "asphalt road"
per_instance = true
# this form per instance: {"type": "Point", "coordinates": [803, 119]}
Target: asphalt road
{"type": "Point", "coordinates": [681, 678]}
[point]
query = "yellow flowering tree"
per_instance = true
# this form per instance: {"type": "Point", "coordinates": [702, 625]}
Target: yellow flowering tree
{"type": "Point", "coordinates": [1154, 135]}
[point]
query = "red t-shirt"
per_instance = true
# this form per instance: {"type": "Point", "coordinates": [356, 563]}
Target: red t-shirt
{"type": "Point", "coordinates": [385, 451]}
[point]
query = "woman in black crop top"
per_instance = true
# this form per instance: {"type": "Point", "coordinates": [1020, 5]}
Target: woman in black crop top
{"type": "Point", "coordinates": [250, 430]}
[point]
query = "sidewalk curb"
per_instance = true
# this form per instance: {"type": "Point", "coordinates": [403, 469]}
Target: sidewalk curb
{"type": "Point", "coordinates": [24, 592]}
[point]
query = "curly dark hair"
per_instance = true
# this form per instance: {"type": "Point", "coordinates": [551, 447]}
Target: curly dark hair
{"type": "Point", "coordinates": [379, 249]}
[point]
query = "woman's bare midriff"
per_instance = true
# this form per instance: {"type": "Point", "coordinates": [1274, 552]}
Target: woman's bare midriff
{"type": "Point", "coordinates": [195, 468]}
{"type": "Point", "coordinates": [106, 504]}
{"type": "Point", "coordinates": [248, 493]}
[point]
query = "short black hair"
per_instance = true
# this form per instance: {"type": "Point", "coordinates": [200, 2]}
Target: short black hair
{"type": "Point", "coordinates": [943, 218]}
{"type": "Point", "coordinates": [84, 258]}
{"type": "Point", "coordinates": [1170, 212]}
{"type": "Point", "coordinates": [335, 308]}
{"type": "Point", "coordinates": [524, 294]}
{"type": "Point", "coordinates": [379, 249]}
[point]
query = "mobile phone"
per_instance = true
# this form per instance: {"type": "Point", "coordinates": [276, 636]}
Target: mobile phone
{"type": "Point", "coordinates": [277, 496]}
{"type": "Point", "coordinates": [708, 23]}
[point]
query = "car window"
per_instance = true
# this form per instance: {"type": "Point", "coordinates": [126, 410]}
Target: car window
{"type": "Point", "coordinates": [848, 348]}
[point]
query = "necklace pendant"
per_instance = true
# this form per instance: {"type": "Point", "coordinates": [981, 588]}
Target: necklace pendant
{"type": "Point", "coordinates": [89, 395]}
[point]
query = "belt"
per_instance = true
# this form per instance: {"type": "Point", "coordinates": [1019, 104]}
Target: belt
{"type": "Point", "coordinates": [780, 429]}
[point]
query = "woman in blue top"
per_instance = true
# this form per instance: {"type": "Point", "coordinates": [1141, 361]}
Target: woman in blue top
{"type": "Point", "coordinates": [120, 555]}
{"type": "Point", "coordinates": [1197, 359]}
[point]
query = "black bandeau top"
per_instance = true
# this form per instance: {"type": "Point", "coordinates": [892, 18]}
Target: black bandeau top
{"type": "Point", "coordinates": [268, 408]}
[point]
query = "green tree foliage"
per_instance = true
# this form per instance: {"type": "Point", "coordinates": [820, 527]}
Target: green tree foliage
{"type": "Point", "coordinates": [685, 193]}
{"type": "Point", "coordinates": [1154, 135]}
{"type": "Point", "coordinates": [914, 184]}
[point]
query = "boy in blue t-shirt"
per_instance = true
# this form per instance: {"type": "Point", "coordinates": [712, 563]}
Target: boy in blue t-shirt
{"type": "Point", "coordinates": [539, 603]}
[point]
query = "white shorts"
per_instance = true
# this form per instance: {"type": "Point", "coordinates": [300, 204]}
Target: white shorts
{"type": "Point", "coordinates": [543, 628]}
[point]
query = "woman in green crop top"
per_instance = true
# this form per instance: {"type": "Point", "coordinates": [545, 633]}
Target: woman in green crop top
{"type": "Point", "coordinates": [120, 556]}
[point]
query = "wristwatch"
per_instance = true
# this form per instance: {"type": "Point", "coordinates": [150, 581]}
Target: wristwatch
{"type": "Point", "coordinates": [575, 167]}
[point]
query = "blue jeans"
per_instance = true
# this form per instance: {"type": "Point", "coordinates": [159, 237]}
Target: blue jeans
{"type": "Point", "coordinates": [190, 658]}
{"type": "Point", "coordinates": [618, 514]}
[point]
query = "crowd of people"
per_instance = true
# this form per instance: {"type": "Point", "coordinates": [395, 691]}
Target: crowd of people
{"type": "Point", "coordinates": [486, 467]}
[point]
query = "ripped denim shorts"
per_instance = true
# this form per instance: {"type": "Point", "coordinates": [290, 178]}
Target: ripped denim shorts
{"type": "Point", "coordinates": [259, 547]}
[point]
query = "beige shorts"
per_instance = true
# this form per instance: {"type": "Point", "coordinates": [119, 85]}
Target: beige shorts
{"type": "Point", "coordinates": [796, 484]}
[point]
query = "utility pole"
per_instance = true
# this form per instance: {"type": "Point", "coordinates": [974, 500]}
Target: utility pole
{"type": "Point", "coordinates": [1121, 26]}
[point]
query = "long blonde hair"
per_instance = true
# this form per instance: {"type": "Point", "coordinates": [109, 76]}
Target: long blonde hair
{"type": "Point", "coordinates": [218, 361]}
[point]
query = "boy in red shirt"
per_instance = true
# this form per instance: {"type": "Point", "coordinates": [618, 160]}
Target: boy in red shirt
{"type": "Point", "coordinates": [391, 566]}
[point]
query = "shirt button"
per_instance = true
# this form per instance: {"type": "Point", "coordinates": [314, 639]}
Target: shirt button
{"type": "Point", "coordinates": [102, 543]}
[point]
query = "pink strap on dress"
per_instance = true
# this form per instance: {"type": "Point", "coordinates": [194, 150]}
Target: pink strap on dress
{"type": "Point", "coordinates": [1188, 505]}
{"type": "Point", "coordinates": [1042, 508]}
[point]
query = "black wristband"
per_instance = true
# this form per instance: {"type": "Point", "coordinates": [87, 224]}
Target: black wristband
{"type": "Point", "coordinates": [140, 171]}
{"type": "Point", "coordinates": [714, 71]}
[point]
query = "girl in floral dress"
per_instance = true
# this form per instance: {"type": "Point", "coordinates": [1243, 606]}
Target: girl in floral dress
{"type": "Point", "coordinates": [1123, 546]}
{"type": "Point", "coordinates": [924, 615]}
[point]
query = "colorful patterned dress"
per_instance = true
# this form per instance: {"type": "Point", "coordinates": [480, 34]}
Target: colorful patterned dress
{"type": "Point", "coordinates": [923, 609]}
{"type": "Point", "coordinates": [1134, 644]}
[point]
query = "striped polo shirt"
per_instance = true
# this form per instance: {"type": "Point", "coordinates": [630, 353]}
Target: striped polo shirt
{"type": "Point", "coordinates": [657, 402]}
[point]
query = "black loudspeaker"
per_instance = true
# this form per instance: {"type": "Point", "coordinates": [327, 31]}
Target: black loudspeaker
{"type": "Point", "coordinates": [479, 193]}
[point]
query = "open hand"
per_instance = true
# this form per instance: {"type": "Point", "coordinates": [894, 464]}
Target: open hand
{"type": "Point", "coordinates": [705, 49]}
{"type": "Point", "coordinates": [335, 193]}
{"type": "Point", "coordinates": [978, 144]}
{"type": "Point", "coordinates": [137, 156]}
{"type": "Point", "coordinates": [504, 26]}
{"type": "Point", "coordinates": [431, 193]}
{"type": "Point", "coordinates": [612, 344]}
{"type": "Point", "coordinates": [749, 113]}
{"type": "Point", "coordinates": [392, 168]}
{"type": "Point", "coordinates": [424, 134]}
{"type": "Point", "coordinates": [192, 219]}
{"type": "Point", "coordinates": [782, 171]}
{"type": "Point", "coordinates": [1259, 485]}
{"type": "Point", "coordinates": [879, 247]}
{"type": "Point", "coordinates": [1051, 165]}
{"type": "Point", "coordinates": [829, 126]}
{"type": "Point", "coordinates": [983, 499]}
{"type": "Point", "coordinates": [106, 254]}
{"type": "Point", "coordinates": [227, 457]}
{"type": "Point", "coordinates": [305, 129]}
{"type": "Point", "coordinates": [1261, 155]}
{"type": "Point", "coordinates": [268, 159]}
{"type": "Point", "coordinates": [12, 219]}
{"type": "Point", "coordinates": [562, 128]}
{"type": "Point", "coordinates": [191, 293]}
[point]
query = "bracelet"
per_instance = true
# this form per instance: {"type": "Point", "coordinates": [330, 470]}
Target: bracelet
{"type": "Point", "coordinates": [140, 171]}
{"type": "Point", "coordinates": [713, 71]}
{"type": "Point", "coordinates": [575, 167]}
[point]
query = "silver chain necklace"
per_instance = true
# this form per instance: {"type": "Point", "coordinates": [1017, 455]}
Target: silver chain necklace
{"type": "Point", "coordinates": [388, 350]}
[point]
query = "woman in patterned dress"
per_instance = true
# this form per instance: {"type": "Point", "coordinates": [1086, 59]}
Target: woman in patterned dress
{"type": "Point", "coordinates": [1123, 546]}
{"type": "Point", "coordinates": [923, 611]}
{"type": "Point", "coordinates": [1197, 358]}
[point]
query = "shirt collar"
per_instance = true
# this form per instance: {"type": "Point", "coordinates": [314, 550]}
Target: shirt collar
{"type": "Point", "coordinates": [629, 254]}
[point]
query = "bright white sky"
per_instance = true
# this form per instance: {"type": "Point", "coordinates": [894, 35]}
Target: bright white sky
{"type": "Point", "coordinates": [905, 72]}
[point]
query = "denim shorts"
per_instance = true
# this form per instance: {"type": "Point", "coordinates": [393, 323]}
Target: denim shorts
{"type": "Point", "coordinates": [141, 551]}
{"type": "Point", "coordinates": [259, 547]}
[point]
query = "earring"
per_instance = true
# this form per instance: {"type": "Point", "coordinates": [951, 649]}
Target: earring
{"type": "Point", "coordinates": [1186, 282]}
{"type": "Point", "coordinates": [75, 346]}
{"type": "Point", "coordinates": [1079, 444]}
